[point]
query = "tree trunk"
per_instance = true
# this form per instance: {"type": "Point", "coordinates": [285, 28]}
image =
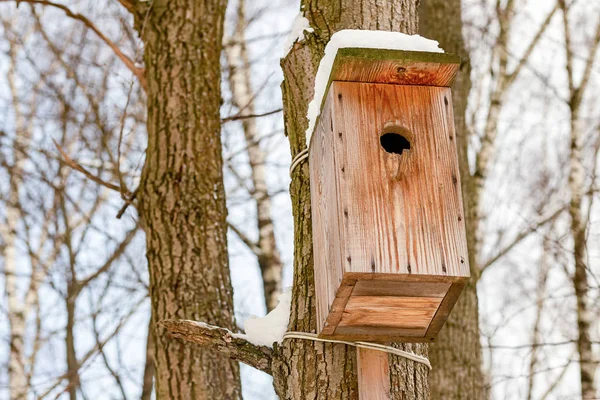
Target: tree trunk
{"type": "Point", "coordinates": [17, 310]}
{"type": "Point", "coordinates": [585, 317]}
{"type": "Point", "coordinates": [305, 369]}
{"type": "Point", "coordinates": [181, 194]}
{"type": "Point", "coordinates": [268, 256]}
{"type": "Point", "coordinates": [588, 364]}
{"type": "Point", "coordinates": [456, 356]}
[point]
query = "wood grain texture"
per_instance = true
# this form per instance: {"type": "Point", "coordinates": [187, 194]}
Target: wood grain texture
{"type": "Point", "coordinates": [326, 228]}
{"type": "Point", "coordinates": [395, 288]}
{"type": "Point", "coordinates": [389, 226]}
{"type": "Point", "coordinates": [444, 309]}
{"type": "Point", "coordinates": [400, 213]}
{"type": "Point", "coordinates": [387, 314]}
{"type": "Point", "coordinates": [380, 334]}
{"type": "Point", "coordinates": [394, 67]}
{"type": "Point", "coordinates": [373, 374]}
{"type": "Point", "coordinates": [390, 311]}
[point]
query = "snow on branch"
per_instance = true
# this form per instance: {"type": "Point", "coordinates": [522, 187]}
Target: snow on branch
{"type": "Point", "coordinates": [223, 340]}
{"type": "Point", "coordinates": [254, 348]}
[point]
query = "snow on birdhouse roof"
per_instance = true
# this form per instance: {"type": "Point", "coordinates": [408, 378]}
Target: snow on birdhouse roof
{"type": "Point", "coordinates": [396, 46]}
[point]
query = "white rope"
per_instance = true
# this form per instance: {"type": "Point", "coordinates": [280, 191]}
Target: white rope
{"type": "Point", "coordinates": [363, 345]}
{"type": "Point", "coordinates": [303, 155]}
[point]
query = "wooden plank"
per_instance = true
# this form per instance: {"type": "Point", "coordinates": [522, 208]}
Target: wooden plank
{"type": "Point", "coordinates": [402, 214]}
{"type": "Point", "coordinates": [394, 67]}
{"type": "Point", "coordinates": [373, 374]}
{"type": "Point", "coordinates": [396, 277]}
{"type": "Point", "coordinates": [327, 232]}
{"type": "Point", "coordinates": [379, 334]}
{"type": "Point", "coordinates": [387, 311]}
{"type": "Point", "coordinates": [338, 306]}
{"type": "Point", "coordinates": [386, 302]}
{"type": "Point", "coordinates": [337, 330]}
{"type": "Point", "coordinates": [395, 288]}
{"type": "Point", "coordinates": [440, 317]}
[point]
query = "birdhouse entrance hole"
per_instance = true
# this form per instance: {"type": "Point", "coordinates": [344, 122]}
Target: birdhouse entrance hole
{"type": "Point", "coordinates": [393, 142]}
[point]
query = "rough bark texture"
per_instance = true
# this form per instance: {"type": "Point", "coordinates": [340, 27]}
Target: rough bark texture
{"type": "Point", "coordinates": [269, 259]}
{"type": "Point", "coordinates": [456, 355]}
{"type": "Point", "coordinates": [304, 369]}
{"type": "Point", "coordinates": [181, 194]}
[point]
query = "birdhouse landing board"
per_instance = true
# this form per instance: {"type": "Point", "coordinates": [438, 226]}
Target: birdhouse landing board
{"type": "Point", "coordinates": [388, 226]}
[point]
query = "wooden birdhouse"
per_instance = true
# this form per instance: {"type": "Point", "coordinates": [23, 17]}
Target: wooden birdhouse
{"type": "Point", "coordinates": [388, 225]}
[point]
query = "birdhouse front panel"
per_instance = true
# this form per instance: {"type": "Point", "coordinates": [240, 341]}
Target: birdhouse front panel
{"type": "Point", "coordinates": [389, 236]}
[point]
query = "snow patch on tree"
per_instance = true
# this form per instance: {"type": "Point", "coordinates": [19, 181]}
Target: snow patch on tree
{"type": "Point", "coordinates": [299, 26]}
{"type": "Point", "coordinates": [270, 329]}
{"type": "Point", "coordinates": [363, 39]}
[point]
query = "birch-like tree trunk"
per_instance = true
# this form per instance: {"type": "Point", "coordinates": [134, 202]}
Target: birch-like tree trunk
{"type": "Point", "coordinates": [17, 310]}
{"type": "Point", "coordinates": [19, 307]}
{"type": "Point", "coordinates": [588, 363]}
{"type": "Point", "coordinates": [242, 96]}
{"type": "Point", "coordinates": [456, 356]}
{"type": "Point", "coordinates": [181, 195]}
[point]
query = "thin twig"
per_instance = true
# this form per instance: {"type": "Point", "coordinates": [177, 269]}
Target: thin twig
{"type": "Point", "coordinates": [247, 116]}
{"type": "Point", "coordinates": [128, 4]}
{"type": "Point", "coordinates": [252, 245]}
{"type": "Point", "coordinates": [521, 236]}
{"type": "Point", "coordinates": [138, 72]}
{"type": "Point", "coordinates": [123, 120]}
{"type": "Point", "coordinates": [127, 203]}
{"type": "Point", "coordinates": [69, 161]}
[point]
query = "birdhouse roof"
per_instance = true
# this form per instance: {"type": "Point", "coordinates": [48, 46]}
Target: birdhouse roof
{"type": "Point", "coordinates": [397, 67]}
{"type": "Point", "coordinates": [380, 57]}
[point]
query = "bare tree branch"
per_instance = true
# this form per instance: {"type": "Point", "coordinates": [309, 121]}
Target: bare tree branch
{"type": "Point", "coordinates": [222, 340]}
{"type": "Point", "coordinates": [128, 4]}
{"type": "Point", "coordinates": [253, 246]}
{"type": "Point", "coordinates": [520, 237]}
{"type": "Point", "coordinates": [109, 262]}
{"type": "Point", "coordinates": [523, 60]}
{"type": "Point", "coordinates": [138, 72]}
{"type": "Point", "coordinates": [69, 161]}
{"type": "Point", "coordinates": [241, 115]}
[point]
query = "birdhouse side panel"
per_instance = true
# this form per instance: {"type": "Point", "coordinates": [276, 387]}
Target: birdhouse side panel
{"type": "Point", "coordinates": [328, 243]}
{"type": "Point", "coordinates": [401, 205]}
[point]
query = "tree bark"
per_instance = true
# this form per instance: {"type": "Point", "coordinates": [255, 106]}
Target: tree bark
{"type": "Point", "coordinates": [588, 364]}
{"type": "Point", "coordinates": [181, 194]}
{"type": "Point", "coordinates": [585, 317]}
{"type": "Point", "coordinates": [305, 369]}
{"type": "Point", "coordinates": [456, 355]}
